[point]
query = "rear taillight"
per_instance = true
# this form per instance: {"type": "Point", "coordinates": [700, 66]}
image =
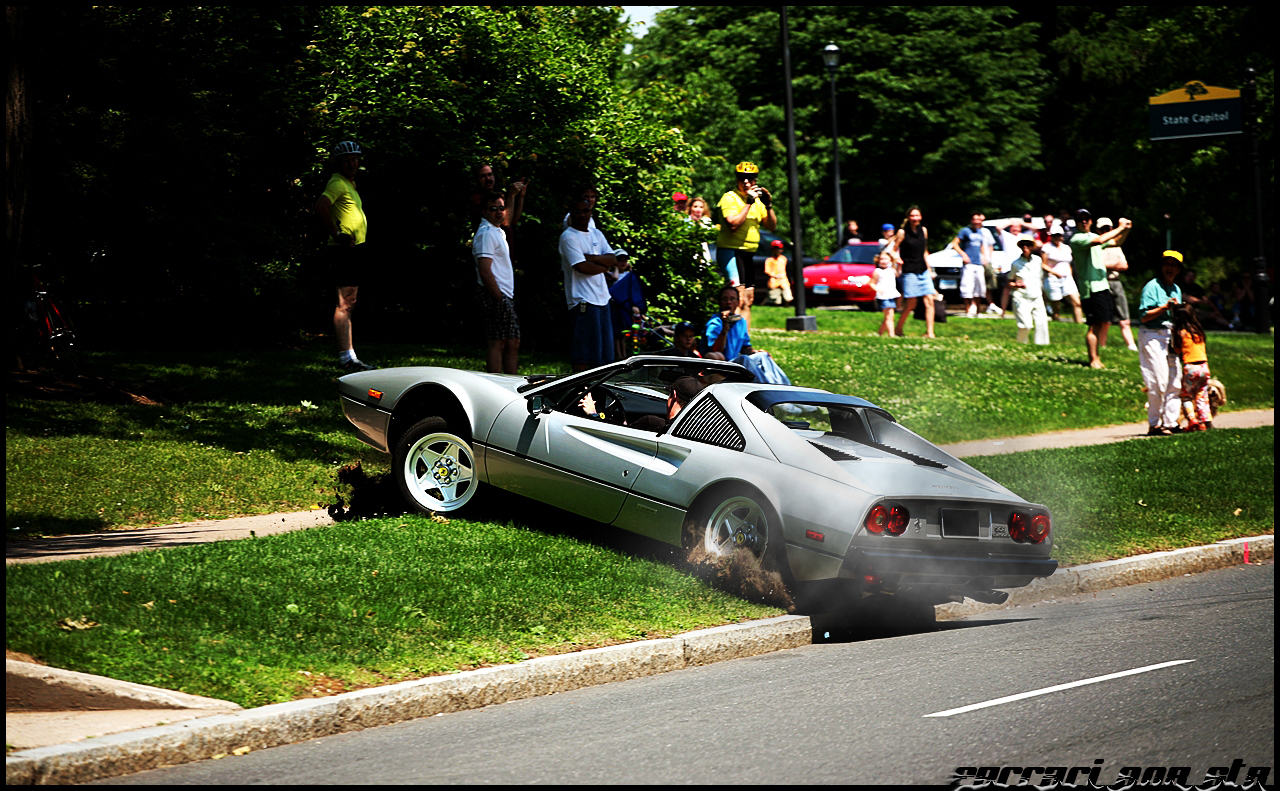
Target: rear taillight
{"type": "Point", "coordinates": [891, 520]}
{"type": "Point", "coordinates": [1039, 529]}
{"type": "Point", "coordinates": [877, 520]}
{"type": "Point", "coordinates": [898, 520]}
{"type": "Point", "coordinates": [1028, 529]}
{"type": "Point", "coordinates": [1018, 527]}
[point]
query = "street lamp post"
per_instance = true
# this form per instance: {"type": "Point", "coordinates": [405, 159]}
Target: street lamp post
{"type": "Point", "coordinates": [831, 57]}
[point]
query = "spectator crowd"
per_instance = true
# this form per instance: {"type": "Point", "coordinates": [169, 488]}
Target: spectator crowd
{"type": "Point", "coordinates": [1065, 266]}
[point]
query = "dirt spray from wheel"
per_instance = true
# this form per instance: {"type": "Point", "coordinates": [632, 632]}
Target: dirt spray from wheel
{"type": "Point", "coordinates": [740, 573]}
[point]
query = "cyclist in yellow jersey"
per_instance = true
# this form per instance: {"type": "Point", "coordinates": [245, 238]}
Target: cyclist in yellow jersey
{"type": "Point", "coordinates": [343, 214]}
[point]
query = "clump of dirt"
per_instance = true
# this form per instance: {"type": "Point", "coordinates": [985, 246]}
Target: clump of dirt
{"type": "Point", "coordinates": [371, 495]}
{"type": "Point", "coordinates": [742, 574]}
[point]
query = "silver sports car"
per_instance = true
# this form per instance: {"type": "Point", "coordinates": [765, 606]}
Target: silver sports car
{"type": "Point", "coordinates": [819, 485]}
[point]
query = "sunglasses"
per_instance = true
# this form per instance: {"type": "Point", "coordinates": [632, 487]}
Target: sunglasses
{"type": "Point", "coordinates": [497, 208]}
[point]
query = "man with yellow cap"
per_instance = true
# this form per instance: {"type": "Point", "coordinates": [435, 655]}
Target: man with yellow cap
{"type": "Point", "coordinates": [744, 210]}
{"type": "Point", "coordinates": [1160, 372]}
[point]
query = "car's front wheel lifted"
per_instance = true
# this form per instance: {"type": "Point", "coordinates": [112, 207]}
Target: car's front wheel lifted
{"type": "Point", "coordinates": [434, 468]}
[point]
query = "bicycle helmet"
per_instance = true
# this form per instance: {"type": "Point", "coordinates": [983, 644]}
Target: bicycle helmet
{"type": "Point", "coordinates": [347, 147]}
{"type": "Point", "coordinates": [746, 168]}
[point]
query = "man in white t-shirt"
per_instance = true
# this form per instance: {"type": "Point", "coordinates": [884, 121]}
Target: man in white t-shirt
{"type": "Point", "coordinates": [496, 286]}
{"type": "Point", "coordinates": [585, 257]}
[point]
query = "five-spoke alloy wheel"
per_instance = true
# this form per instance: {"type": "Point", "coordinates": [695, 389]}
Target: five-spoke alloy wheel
{"type": "Point", "coordinates": [435, 469]}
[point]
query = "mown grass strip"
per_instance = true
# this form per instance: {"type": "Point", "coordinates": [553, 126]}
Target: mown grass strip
{"type": "Point", "coordinates": [1147, 495]}
{"type": "Point", "coordinates": [324, 610]}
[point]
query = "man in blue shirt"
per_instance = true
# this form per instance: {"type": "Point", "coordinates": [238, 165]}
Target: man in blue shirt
{"type": "Point", "coordinates": [1160, 372]}
{"type": "Point", "coordinates": [974, 244]}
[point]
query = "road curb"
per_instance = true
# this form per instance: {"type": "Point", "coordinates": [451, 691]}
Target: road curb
{"type": "Point", "coordinates": [300, 720]}
{"type": "Point", "coordinates": [297, 721]}
{"type": "Point", "coordinates": [1126, 571]}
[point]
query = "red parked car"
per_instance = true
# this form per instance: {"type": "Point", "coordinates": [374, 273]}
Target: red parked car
{"type": "Point", "coordinates": [843, 277]}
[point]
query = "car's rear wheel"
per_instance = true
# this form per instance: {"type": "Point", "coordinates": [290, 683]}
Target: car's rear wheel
{"type": "Point", "coordinates": [435, 469]}
{"type": "Point", "coordinates": [736, 521]}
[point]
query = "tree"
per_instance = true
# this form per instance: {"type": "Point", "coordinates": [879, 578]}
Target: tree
{"type": "Point", "coordinates": [1109, 60]}
{"type": "Point", "coordinates": [185, 147]}
{"type": "Point", "coordinates": [936, 104]}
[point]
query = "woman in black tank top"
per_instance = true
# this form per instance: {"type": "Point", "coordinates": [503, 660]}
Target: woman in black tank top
{"type": "Point", "coordinates": [911, 242]}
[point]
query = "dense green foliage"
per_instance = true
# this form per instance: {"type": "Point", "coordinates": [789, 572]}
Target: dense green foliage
{"type": "Point", "coordinates": [188, 146]}
{"type": "Point", "coordinates": [175, 153]}
{"type": "Point", "coordinates": [928, 99]}
{"type": "Point", "coordinates": [953, 108]}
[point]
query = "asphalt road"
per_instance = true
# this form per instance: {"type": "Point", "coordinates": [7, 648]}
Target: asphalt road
{"type": "Point", "coordinates": [854, 709]}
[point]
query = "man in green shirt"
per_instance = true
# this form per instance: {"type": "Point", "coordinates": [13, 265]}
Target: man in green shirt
{"type": "Point", "coordinates": [1090, 267]}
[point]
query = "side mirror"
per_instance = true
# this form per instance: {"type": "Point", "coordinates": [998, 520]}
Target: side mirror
{"type": "Point", "coordinates": [538, 405]}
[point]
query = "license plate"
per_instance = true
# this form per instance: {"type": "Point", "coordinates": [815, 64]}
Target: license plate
{"type": "Point", "coordinates": [822, 289]}
{"type": "Point", "coordinates": [959, 524]}
{"type": "Point", "coordinates": [948, 283]}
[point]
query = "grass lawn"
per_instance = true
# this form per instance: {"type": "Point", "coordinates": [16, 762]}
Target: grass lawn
{"type": "Point", "coordinates": [153, 438]}
{"type": "Point", "coordinates": [356, 604]}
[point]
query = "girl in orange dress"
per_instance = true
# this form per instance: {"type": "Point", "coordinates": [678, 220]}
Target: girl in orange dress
{"type": "Point", "coordinates": [1188, 342]}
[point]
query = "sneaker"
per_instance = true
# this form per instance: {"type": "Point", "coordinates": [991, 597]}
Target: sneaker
{"type": "Point", "coordinates": [995, 310]}
{"type": "Point", "coordinates": [356, 366]}
{"type": "Point", "coordinates": [1158, 431]}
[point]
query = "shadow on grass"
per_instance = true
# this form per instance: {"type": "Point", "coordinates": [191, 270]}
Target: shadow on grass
{"type": "Point", "coordinates": [22, 522]}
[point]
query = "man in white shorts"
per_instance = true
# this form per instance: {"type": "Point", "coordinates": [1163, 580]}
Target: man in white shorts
{"type": "Point", "coordinates": [974, 245]}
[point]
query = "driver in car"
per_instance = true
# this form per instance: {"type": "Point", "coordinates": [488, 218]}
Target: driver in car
{"type": "Point", "coordinates": [683, 390]}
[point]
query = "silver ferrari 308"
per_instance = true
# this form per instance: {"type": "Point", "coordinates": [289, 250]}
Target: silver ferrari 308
{"type": "Point", "coordinates": [819, 485]}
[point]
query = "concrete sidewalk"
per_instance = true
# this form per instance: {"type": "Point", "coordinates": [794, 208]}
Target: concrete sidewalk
{"type": "Point", "coordinates": [49, 712]}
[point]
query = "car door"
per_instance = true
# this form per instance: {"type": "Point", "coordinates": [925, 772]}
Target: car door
{"type": "Point", "coordinates": [584, 465]}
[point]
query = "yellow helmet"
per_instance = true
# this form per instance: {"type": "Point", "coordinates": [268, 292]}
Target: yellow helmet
{"type": "Point", "coordinates": [746, 168]}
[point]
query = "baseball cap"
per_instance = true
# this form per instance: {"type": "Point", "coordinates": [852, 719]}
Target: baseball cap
{"type": "Point", "coordinates": [1174, 254]}
{"type": "Point", "coordinates": [1101, 221]}
{"type": "Point", "coordinates": [1083, 213]}
{"type": "Point", "coordinates": [887, 227]}
{"type": "Point", "coordinates": [684, 325]}
{"type": "Point", "coordinates": [679, 196]}
{"type": "Point", "coordinates": [1056, 229]}
{"type": "Point", "coordinates": [777, 243]}
{"type": "Point", "coordinates": [1026, 242]}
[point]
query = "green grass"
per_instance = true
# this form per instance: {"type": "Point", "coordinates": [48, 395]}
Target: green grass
{"type": "Point", "coordinates": [1147, 495]}
{"type": "Point", "coordinates": [247, 433]}
{"type": "Point", "coordinates": [356, 604]}
{"type": "Point", "coordinates": [975, 381]}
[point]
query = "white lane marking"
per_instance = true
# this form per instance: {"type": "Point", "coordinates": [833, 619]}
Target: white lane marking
{"type": "Point", "coordinates": [1059, 688]}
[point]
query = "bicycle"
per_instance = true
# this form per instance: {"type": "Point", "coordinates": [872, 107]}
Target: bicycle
{"type": "Point", "coordinates": [47, 331]}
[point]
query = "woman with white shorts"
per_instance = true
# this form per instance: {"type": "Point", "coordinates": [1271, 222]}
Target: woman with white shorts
{"type": "Point", "coordinates": [1059, 282]}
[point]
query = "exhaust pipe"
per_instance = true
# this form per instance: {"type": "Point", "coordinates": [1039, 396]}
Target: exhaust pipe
{"type": "Point", "coordinates": [988, 597]}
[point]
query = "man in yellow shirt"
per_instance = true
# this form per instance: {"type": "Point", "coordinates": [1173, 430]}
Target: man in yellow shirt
{"type": "Point", "coordinates": [342, 211]}
{"type": "Point", "coordinates": [743, 212]}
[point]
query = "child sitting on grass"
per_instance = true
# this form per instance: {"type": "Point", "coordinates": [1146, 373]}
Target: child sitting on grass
{"type": "Point", "coordinates": [1188, 342]}
{"type": "Point", "coordinates": [884, 281]}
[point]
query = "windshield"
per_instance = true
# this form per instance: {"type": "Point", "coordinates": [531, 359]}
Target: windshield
{"type": "Point", "coordinates": [859, 424]}
{"type": "Point", "coordinates": [856, 254]}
